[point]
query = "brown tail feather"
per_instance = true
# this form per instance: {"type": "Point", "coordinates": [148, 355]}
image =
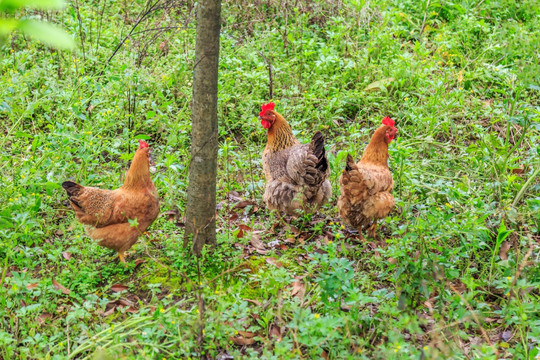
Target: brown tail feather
{"type": "Point", "coordinates": [350, 163]}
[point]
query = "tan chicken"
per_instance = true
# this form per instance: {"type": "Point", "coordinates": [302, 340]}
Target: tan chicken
{"type": "Point", "coordinates": [366, 187]}
{"type": "Point", "coordinates": [296, 174]}
{"type": "Point", "coordinates": [107, 212]}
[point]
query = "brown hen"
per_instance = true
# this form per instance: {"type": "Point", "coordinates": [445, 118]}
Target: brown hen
{"type": "Point", "coordinates": [296, 174]}
{"type": "Point", "coordinates": [107, 212]}
{"type": "Point", "coordinates": [366, 187]}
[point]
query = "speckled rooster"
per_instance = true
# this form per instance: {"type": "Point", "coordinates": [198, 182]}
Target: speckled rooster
{"type": "Point", "coordinates": [296, 174]}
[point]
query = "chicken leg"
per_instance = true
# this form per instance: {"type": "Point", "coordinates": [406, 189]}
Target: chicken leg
{"type": "Point", "coordinates": [122, 257]}
{"type": "Point", "coordinates": [372, 229]}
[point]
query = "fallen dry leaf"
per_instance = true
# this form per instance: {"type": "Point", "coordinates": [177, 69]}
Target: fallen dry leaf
{"type": "Point", "coordinates": [274, 226]}
{"type": "Point", "coordinates": [247, 334]}
{"type": "Point", "coordinates": [298, 288]}
{"type": "Point", "coordinates": [275, 331]}
{"type": "Point", "coordinates": [254, 302]}
{"type": "Point", "coordinates": [243, 204]}
{"type": "Point", "coordinates": [257, 243]}
{"type": "Point", "coordinates": [507, 335]}
{"type": "Point", "coordinates": [518, 171]}
{"type": "Point", "coordinates": [119, 304]}
{"type": "Point", "coordinates": [31, 286]}
{"type": "Point", "coordinates": [240, 234]}
{"type": "Point", "coordinates": [60, 287]}
{"type": "Point", "coordinates": [234, 196]}
{"type": "Point", "coordinates": [240, 340]}
{"type": "Point", "coordinates": [503, 251]}
{"type": "Point", "coordinates": [118, 287]}
{"type": "Point", "coordinates": [274, 261]}
{"type": "Point", "coordinates": [290, 240]}
{"type": "Point", "coordinates": [245, 227]}
{"type": "Point", "coordinates": [345, 307]}
{"type": "Point", "coordinates": [274, 243]}
{"type": "Point", "coordinates": [172, 215]}
{"type": "Point", "coordinates": [139, 262]}
{"type": "Point", "coordinates": [110, 311]}
{"type": "Point", "coordinates": [44, 317]}
{"type": "Point", "coordinates": [66, 255]}
{"type": "Point", "coordinates": [294, 230]}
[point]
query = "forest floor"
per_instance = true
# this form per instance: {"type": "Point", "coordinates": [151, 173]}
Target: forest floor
{"type": "Point", "coordinates": [456, 273]}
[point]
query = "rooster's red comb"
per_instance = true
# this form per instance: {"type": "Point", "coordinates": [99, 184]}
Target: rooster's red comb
{"type": "Point", "coordinates": [388, 121]}
{"type": "Point", "coordinates": [266, 107]}
{"type": "Point", "coordinates": [142, 144]}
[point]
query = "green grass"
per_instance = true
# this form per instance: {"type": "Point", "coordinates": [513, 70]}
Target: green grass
{"type": "Point", "coordinates": [465, 96]}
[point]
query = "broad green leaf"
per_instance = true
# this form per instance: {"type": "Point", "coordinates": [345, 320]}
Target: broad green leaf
{"type": "Point", "coordinates": [379, 85]}
{"type": "Point", "coordinates": [23, 134]}
{"type": "Point", "coordinates": [7, 26]}
{"type": "Point", "coordinates": [11, 5]}
{"type": "Point", "coordinates": [4, 106]}
{"type": "Point", "coordinates": [47, 33]}
{"type": "Point", "coordinates": [502, 233]}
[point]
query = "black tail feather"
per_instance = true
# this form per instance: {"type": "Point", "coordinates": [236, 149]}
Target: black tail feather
{"type": "Point", "coordinates": [71, 188]}
{"type": "Point", "coordinates": [350, 161]}
{"type": "Point", "coordinates": [317, 146]}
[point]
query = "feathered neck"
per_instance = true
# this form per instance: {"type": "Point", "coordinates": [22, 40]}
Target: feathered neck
{"type": "Point", "coordinates": [280, 135]}
{"type": "Point", "coordinates": [377, 150]}
{"type": "Point", "coordinates": [138, 175]}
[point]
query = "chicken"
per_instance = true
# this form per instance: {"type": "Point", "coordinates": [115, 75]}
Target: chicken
{"type": "Point", "coordinates": [296, 174]}
{"type": "Point", "coordinates": [106, 213]}
{"type": "Point", "coordinates": [366, 187]}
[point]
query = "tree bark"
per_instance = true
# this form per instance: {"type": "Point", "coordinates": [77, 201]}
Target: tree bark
{"type": "Point", "coordinates": [200, 217]}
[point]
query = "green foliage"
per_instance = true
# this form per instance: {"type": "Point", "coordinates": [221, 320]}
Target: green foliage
{"type": "Point", "coordinates": [42, 31]}
{"type": "Point", "coordinates": [457, 260]}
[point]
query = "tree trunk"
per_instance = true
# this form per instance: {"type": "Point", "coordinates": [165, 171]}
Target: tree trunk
{"type": "Point", "coordinates": [200, 217]}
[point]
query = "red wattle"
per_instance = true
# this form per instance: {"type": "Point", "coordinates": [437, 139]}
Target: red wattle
{"type": "Point", "coordinates": [266, 124]}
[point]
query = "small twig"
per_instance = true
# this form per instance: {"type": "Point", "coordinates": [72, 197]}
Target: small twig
{"type": "Point", "coordinates": [100, 21]}
{"type": "Point", "coordinates": [525, 187]}
{"type": "Point", "coordinates": [67, 338]}
{"type": "Point", "coordinates": [157, 29]}
{"type": "Point", "coordinates": [5, 270]}
{"type": "Point", "coordinates": [213, 280]}
{"type": "Point", "coordinates": [81, 34]}
{"type": "Point", "coordinates": [523, 262]}
{"type": "Point", "coordinates": [171, 270]}
{"type": "Point", "coordinates": [251, 176]}
{"type": "Point", "coordinates": [424, 21]}
{"type": "Point", "coordinates": [270, 79]}
{"type": "Point", "coordinates": [200, 304]}
{"type": "Point", "coordinates": [475, 318]}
